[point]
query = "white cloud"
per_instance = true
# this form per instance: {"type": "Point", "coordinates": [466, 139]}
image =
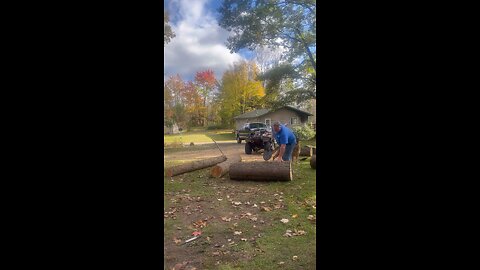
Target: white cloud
{"type": "Point", "coordinates": [199, 43]}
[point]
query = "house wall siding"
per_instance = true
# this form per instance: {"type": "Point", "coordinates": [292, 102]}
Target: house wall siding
{"type": "Point", "coordinates": [284, 116]}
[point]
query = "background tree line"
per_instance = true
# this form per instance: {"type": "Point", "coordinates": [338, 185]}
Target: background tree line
{"type": "Point", "coordinates": [282, 34]}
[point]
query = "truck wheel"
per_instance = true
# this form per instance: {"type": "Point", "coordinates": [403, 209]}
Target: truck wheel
{"type": "Point", "coordinates": [239, 140]}
{"type": "Point", "coordinates": [248, 149]}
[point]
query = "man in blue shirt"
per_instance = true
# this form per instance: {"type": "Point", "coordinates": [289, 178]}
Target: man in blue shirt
{"type": "Point", "coordinates": [286, 139]}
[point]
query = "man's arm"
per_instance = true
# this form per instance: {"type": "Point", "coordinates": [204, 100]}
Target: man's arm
{"type": "Point", "coordinates": [280, 153]}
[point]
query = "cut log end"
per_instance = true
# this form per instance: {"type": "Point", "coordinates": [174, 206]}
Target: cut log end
{"type": "Point", "coordinates": [216, 171]}
{"type": "Point", "coordinates": [221, 169]}
{"type": "Point", "coordinates": [313, 162]}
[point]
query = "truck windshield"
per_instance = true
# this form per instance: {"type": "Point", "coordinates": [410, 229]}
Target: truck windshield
{"type": "Point", "coordinates": [257, 125]}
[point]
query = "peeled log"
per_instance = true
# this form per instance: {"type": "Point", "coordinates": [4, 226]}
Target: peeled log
{"type": "Point", "coordinates": [221, 169]}
{"type": "Point", "coordinates": [313, 162]}
{"type": "Point", "coordinates": [194, 165]}
{"type": "Point", "coordinates": [261, 171]}
{"type": "Point", "coordinates": [306, 151]}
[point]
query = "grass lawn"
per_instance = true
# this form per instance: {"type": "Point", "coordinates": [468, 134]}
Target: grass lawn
{"type": "Point", "coordinates": [241, 221]}
{"type": "Point", "coordinates": [200, 136]}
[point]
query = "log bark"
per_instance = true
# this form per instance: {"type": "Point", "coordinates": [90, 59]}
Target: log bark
{"type": "Point", "coordinates": [194, 165]}
{"type": "Point", "coordinates": [221, 169]}
{"type": "Point", "coordinates": [313, 162]}
{"type": "Point", "coordinates": [306, 151]}
{"type": "Point", "coordinates": [261, 171]}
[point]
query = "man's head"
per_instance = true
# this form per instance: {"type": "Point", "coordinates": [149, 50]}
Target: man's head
{"type": "Point", "coordinates": [276, 126]}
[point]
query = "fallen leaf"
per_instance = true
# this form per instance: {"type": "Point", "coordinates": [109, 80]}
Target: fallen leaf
{"type": "Point", "coordinates": [284, 220]}
{"type": "Point", "coordinates": [200, 224]}
{"type": "Point", "coordinates": [254, 205]}
{"type": "Point", "coordinates": [300, 232]}
{"type": "Point", "coordinates": [244, 239]}
{"type": "Point", "coordinates": [180, 266]}
{"type": "Point", "coordinates": [294, 216]}
{"type": "Point", "coordinates": [266, 209]}
{"type": "Point", "coordinates": [177, 240]}
{"type": "Point", "coordinates": [237, 203]}
{"type": "Point", "coordinates": [280, 263]}
{"type": "Point", "coordinates": [237, 233]}
{"type": "Point", "coordinates": [219, 199]}
{"type": "Point", "coordinates": [295, 258]}
{"type": "Point", "coordinates": [195, 233]}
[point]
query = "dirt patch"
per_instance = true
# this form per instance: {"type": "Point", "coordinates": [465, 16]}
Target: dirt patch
{"type": "Point", "coordinates": [233, 218]}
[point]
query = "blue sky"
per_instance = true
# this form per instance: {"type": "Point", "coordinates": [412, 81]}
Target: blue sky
{"type": "Point", "coordinates": [200, 42]}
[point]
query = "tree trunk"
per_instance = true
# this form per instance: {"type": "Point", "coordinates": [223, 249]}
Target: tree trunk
{"type": "Point", "coordinates": [306, 151]}
{"type": "Point", "coordinates": [313, 162]}
{"type": "Point", "coordinates": [261, 171]}
{"type": "Point", "coordinates": [194, 165]}
{"type": "Point", "coordinates": [221, 169]}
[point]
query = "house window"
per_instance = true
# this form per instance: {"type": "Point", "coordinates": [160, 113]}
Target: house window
{"type": "Point", "coordinates": [268, 122]}
{"type": "Point", "coordinates": [293, 121]}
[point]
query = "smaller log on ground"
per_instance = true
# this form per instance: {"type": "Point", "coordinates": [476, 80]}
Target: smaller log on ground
{"type": "Point", "coordinates": [306, 151]}
{"type": "Point", "coordinates": [314, 150]}
{"type": "Point", "coordinates": [194, 165]}
{"type": "Point", "coordinates": [313, 162]}
{"type": "Point", "coordinates": [261, 171]}
{"type": "Point", "coordinates": [221, 169]}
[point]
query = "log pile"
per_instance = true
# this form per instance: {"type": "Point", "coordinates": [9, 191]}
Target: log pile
{"type": "Point", "coordinates": [194, 165]}
{"type": "Point", "coordinates": [221, 169]}
{"type": "Point", "coordinates": [261, 171]}
{"type": "Point", "coordinates": [306, 151]}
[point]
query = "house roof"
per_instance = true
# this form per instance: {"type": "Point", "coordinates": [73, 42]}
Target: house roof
{"type": "Point", "coordinates": [260, 112]}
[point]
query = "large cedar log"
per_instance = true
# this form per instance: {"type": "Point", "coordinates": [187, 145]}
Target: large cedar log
{"type": "Point", "coordinates": [194, 165]}
{"type": "Point", "coordinates": [221, 169]}
{"type": "Point", "coordinates": [306, 151]}
{"type": "Point", "coordinates": [261, 171]}
{"type": "Point", "coordinates": [313, 162]}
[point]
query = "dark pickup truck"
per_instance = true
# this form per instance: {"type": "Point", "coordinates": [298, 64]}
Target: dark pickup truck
{"type": "Point", "coordinates": [248, 128]}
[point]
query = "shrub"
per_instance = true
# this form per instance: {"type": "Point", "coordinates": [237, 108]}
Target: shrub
{"type": "Point", "coordinates": [303, 133]}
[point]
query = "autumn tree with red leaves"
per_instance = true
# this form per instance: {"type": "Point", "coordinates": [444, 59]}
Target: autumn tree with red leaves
{"type": "Point", "coordinates": [205, 81]}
